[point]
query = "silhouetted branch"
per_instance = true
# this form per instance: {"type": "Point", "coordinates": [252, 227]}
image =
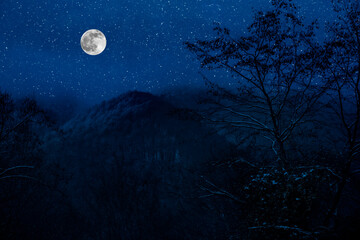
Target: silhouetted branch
{"type": "Point", "coordinates": [215, 190]}
{"type": "Point", "coordinates": [285, 228]}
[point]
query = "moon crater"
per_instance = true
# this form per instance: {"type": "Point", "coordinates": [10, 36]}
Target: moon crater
{"type": "Point", "coordinates": [93, 42]}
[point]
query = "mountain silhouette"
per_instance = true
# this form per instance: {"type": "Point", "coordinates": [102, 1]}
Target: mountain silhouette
{"type": "Point", "coordinates": [140, 161]}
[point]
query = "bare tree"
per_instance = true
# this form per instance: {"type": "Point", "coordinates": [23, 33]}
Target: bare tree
{"type": "Point", "coordinates": [276, 67]}
{"type": "Point", "coordinates": [343, 71]}
{"type": "Point", "coordinates": [276, 91]}
{"type": "Point", "coordinates": [12, 119]}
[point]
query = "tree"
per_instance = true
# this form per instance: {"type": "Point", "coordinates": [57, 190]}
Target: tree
{"type": "Point", "coordinates": [277, 69]}
{"type": "Point", "coordinates": [11, 120]}
{"type": "Point", "coordinates": [276, 66]}
{"type": "Point", "coordinates": [20, 123]}
{"type": "Point", "coordinates": [30, 184]}
{"type": "Point", "coordinates": [343, 71]}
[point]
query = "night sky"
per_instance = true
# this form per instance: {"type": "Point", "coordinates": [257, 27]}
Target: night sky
{"type": "Point", "coordinates": [40, 51]}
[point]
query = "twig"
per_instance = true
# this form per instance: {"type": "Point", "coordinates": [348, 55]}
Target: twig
{"type": "Point", "coordinates": [321, 168]}
{"type": "Point", "coordinates": [218, 191]}
{"type": "Point", "coordinates": [13, 168]}
{"type": "Point", "coordinates": [280, 227]}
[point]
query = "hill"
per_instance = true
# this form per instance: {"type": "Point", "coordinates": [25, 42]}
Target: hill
{"type": "Point", "coordinates": [134, 166]}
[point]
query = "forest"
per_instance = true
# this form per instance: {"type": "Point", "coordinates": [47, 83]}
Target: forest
{"type": "Point", "coordinates": [274, 154]}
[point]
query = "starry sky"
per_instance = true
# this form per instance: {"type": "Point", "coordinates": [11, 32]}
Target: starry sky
{"type": "Point", "coordinates": [40, 51]}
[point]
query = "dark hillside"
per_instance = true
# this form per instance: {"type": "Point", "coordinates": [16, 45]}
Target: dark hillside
{"type": "Point", "coordinates": [135, 169]}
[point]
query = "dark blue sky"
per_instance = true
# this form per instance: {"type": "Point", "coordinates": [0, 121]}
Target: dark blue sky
{"type": "Point", "coordinates": [40, 49]}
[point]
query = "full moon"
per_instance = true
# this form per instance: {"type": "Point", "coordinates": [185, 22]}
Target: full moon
{"type": "Point", "coordinates": [93, 42]}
